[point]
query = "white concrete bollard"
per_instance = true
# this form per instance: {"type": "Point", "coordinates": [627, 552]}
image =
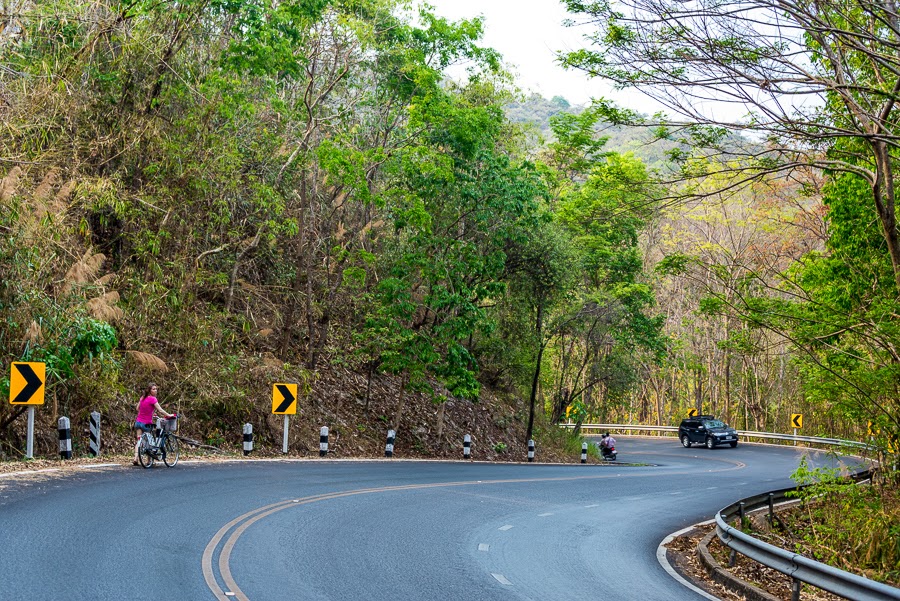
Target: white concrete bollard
{"type": "Point", "coordinates": [65, 438]}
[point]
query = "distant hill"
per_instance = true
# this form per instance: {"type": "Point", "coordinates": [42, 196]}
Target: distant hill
{"type": "Point", "coordinates": [535, 112]}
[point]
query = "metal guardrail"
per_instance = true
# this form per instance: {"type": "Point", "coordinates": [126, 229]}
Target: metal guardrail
{"type": "Point", "coordinates": [745, 433]}
{"type": "Point", "coordinates": [799, 568]}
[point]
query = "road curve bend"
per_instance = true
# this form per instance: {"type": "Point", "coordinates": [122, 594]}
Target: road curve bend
{"type": "Point", "coordinates": [374, 530]}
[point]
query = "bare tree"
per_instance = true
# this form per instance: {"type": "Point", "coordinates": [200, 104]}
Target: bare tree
{"type": "Point", "coordinates": [818, 82]}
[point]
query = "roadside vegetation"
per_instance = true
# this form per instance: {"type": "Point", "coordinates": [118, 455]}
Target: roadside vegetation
{"type": "Point", "coordinates": [220, 196]}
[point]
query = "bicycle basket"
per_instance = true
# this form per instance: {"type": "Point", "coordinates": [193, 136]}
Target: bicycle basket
{"type": "Point", "coordinates": [169, 425]}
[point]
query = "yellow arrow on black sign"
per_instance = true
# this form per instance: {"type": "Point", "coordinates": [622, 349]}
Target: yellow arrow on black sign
{"type": "Point", "coordinates": [284, 399]}
{"type": "Point", "coordinates": [26, 383]}
{"type": "Point", "coordinates": [797, 420]}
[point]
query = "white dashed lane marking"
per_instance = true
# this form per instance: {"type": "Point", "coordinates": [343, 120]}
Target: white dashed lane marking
{"type": "Point", "coordinates": [501, 579]}
{"type": "Point", "coordinates": [504, 528]}
{"type": "Point", "coordinates": [543, 515]}
{"type": "Point", "coordinates": [484, 547]}
{"type": "Point", "coordinates": [594, 505]}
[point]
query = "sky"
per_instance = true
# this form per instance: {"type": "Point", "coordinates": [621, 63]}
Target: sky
{"type": "Point", "coordinates": [528, 33]}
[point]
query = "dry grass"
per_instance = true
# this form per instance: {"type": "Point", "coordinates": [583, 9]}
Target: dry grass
{"type": "Point", "coordinates": [148, 361]}
{"type": "Point", "coordinates": [104, 307]}
{"type": "Point", "coordinates": [83, 271]}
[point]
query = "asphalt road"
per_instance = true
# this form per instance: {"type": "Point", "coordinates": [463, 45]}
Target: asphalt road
{"type": "Point", "coordinates": [372, 530]}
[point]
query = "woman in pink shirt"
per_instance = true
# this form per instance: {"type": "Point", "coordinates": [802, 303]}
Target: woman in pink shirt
{"type": "Point", "coordinates": [146, 407]}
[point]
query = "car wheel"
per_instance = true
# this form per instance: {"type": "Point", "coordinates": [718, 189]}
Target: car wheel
{"type": "Point", "coordinates": [733, 444]}
{"type": "Point", "coordinates": [710, 443]}
{"type": "Point", "coordinates": [685, 441]}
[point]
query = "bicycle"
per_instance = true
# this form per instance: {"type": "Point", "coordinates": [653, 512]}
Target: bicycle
{"type": "Point", "coordinates": [162, 446]}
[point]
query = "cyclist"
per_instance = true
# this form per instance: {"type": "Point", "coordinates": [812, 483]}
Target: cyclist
{"type": "Point", "coordinates": [146, 408]}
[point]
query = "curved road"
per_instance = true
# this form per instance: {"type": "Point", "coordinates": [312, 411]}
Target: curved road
{"type": "Point", "coordinates": [374, 530]}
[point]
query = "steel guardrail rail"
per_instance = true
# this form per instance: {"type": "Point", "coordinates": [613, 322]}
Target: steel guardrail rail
{"type": "Point", "coordinates": [745, 433]}
{"type": "Point", "coordinates": [797, 567]}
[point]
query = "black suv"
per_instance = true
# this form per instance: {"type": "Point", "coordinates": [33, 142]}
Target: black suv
{"type": "Point", "coordinates": [706, 429]}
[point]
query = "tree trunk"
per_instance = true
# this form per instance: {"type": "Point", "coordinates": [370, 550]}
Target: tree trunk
{"type": "Point", "coordinates": [369, 385]}
{"type": "Point", "coordinates": [883, 192]}
{"type": "Point", "coordinates": [300, 272]}
{"type": "Point", "coordinates": [401, 402]}
{"type": "Point", "coordinates": [537, 371]}
{"type": "Point", "coordinates": [440, 422]}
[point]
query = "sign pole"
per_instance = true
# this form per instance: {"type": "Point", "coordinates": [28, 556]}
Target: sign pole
{"type": "Point", "coordinates": [26, 387]}
{"type": "Point", "coordinates": [29, 445]}
{"type": "Point", "coordinates": [284, 447]}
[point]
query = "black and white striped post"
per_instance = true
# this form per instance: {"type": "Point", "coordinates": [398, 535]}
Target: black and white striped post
{"type": "Point", "coordinates": [65, 438]}
{"type": "Point", "coordinates": [584, 452]}
{"type": "Point", "coordinates": [323, 441]}
{"type": "Point", "coordinates": [248, 439]}
{"type": "Point", "coordinates": [530, 450]}
{"type": "Point", "coordinates": [389, 447]}
{"type": "Point", "coordinates": [467, 446]}
{"type": "Point", "coordinates": [94, 445]}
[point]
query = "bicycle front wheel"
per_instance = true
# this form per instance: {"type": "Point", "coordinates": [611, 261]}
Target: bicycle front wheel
{"type": "Point", "coordinates": [170, 451]}
{"type": "Point", "coordinates": [145, 452]}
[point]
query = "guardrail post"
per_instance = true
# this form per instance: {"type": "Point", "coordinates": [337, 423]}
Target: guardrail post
{"type": "Point", "coordinates": [732, 558]}
{"type": "Point", "coordinates": [467, 446]}
{"type": "Point", "coordinates": [94, 445]}
{"type": "Point", "coordinates": [248, 439]}
{"type": "Point", "coordinates": [771, 508]}
{"type": "Point", "coordinates": [65, 438]}
{"type": "Point", "coordinates": [530, 450]}
{"type": "Point", "coordinates": [742, 516]}
{"type": "Point", "coordinates": [389, 447]}
{"type": "Point", "coordinates": [323, 441]}
{"type": "Point", "coordinates": [584, 452]}
{"type": "Point", "coordinates": [795, 589]}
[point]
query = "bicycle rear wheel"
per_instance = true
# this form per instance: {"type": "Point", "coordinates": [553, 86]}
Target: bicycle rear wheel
{"type": "Point", "coordinates": [170, 451]}
{"type": "Point", "coordinates": [145, 452]}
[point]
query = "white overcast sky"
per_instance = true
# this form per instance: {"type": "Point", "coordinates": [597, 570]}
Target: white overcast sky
{"type": "Point", "coordinates": [528, 33]}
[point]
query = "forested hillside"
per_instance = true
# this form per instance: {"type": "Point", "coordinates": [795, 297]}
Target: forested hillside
{"type": "Point", "coordinates": [220, 196]}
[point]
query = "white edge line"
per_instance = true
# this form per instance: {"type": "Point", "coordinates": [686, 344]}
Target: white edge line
{"type": "Point", "coordinates": [664, 562]}
{"type": "Point", "coordinates": [93, 465]}
{"type": "Point", "coordinates": [29, 472]}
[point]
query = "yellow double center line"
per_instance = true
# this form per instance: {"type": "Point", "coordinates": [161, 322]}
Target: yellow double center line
{"type": "Point", "coordinates": [236, 527]}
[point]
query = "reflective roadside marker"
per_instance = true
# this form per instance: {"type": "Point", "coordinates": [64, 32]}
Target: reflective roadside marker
{"type": "Point", "coordinates": [323, 441]}
{"type": "Point", "coordinates": [584, 452]}
{"type": "Point", "coordinates": [530, 450]}
{"type": "Point", "coordinates": [467, 446]}
{"type": "Point", "coordinates": [248, 439]}
{"type": "Point", "coordinates": [94, 448]}
{"type": "Point", "coordinates": [65, 438]}
{"type": "Point", "coordinates": [389, 447]}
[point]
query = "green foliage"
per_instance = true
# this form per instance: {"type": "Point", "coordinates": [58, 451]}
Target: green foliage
{"type": "Point", "coordinates": [293, 179]}
{"type": "Point", "coordinates": [847, 525]}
